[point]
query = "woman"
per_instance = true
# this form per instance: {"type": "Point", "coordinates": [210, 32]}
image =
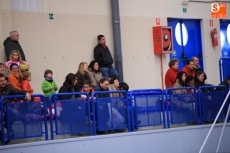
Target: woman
{"type": "Point", "coordinates": [94, 73]}
{"type": "Point", "coordinates": [171, 74]}
{"type": "Point", "coordinates": [68, 86]}
{"type": "Point", "coordinates": [82, 75]}
{"type": "Point", "coordinates": [14, 77]}
{"type": "Point", "coordinates": [72, 110]}
{"type": "Point", "coordinates": [180, 83]}
{"type": "Point", "coordinates": [117, 109]}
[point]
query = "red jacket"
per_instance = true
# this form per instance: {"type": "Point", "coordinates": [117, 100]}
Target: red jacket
{"type": "Point", "coordinates": [170, 77]}
{"type": "Point", "coordinates": [188, 71]}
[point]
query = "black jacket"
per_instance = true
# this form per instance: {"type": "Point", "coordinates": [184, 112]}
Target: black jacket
{"type": "Point", "coordinates": [11, 45]}
{"type": "Point", "coordinates": [103, 56]}
{"type": "Point", "coordinates": [66, 88]}
{"type": "Point", "coordinates": [103, 95]}
{"type": "Point", "coordinates": [80, 80]}
{"type": "Point", "coordinates": [9, 90]}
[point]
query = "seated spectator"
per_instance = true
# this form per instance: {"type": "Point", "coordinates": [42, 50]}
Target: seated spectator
{"type": "Point", "coordinates": [82, 75]}
{"type": "Point", "coordinates": [197, 66]}
{"type": "Point", "coordinates": [104, 58]}
{"type": "Point", "coordinates": [2, 70]}
{"type": "Point", "coordinates": [224, 83]}
{"type": "Point", "coordinates": [124, 86]}
{"type": "Point", "coordinates": [15, 57]}
{"type": "Point", "coordinates": [68, 86]}
{"type": "Point", "coordinates": [6, 90]}
{"type": "Point", "coordinates": [87, 87]}
{"type": "Point", "coordinates": [171, 74]}
{"type": "Point", "coordinates": [94, 73]}
{"type": "Point", "coordinates": [25, 84]}
{"type": "Point", "coordinates": [190, 83]}
{"type": "Point", "coordinates": [180, 83]}
{"type": "Point", "coordinates": [114, 86]}
{"type": "Point", "coordinates": [199, 80]}
{"type": "Point", "coordinates": [189, 68]}
{"type": "Point", "coordinates": [14, 77]}
{"type": "Point", "coordinates": [103, 107]}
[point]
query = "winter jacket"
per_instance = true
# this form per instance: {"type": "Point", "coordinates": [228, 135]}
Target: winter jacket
{"type": "Point", "coordinates": [15, 81]}
{"type": "Point", "coordinates": [188, 71]}
{"type": "Point", "coordinates": [170, 77]}
{"type": "Point", "coordinates": [10, 90]}
{"type": "Point", "coordinates": [103, 56]}
{"type": "Point", "coordinates": [81, 78]}
{"type": "Point", "coordinates": [11, 45]}
{"type": "Point", "coordinates": [98, 88]}
{"type": "Point", "coordinates": [66, 88]}
{"type": "Point", "coordinates": [46, 85]}
{"type": "Point", "coordinates": [178, 85]}
{"type": "Point", "coordinates": [95, 77]}
{"type": "Point", "coordinates": [25, 84]}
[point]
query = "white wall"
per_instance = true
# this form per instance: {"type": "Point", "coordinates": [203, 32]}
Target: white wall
{"type": "Point", "coordinates": [63, 43]}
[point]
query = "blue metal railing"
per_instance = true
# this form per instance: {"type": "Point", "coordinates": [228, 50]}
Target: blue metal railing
{"type": "Point", "coordinates": [5, 110]}
{"type": "Point", "coordinates": [54, 98]}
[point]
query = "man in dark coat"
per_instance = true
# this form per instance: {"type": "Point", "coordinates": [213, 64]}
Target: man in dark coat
{"type": "Point", "coordinates": [11, 43]}
{"type": "Point", "coordinates": [7, 90]}
{"type": "Point", "coordinates": [104, 58]}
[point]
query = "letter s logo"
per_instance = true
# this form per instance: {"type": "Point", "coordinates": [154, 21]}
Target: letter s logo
{"type": "Point", "coordinates": [215, 7]}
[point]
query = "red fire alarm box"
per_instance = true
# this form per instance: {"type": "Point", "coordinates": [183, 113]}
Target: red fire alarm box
{"type": "Point", "coordinates": [162, 40]}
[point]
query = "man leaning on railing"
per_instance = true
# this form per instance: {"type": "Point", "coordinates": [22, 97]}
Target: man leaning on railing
{"type": "Point", "coordinates": [7, 90]}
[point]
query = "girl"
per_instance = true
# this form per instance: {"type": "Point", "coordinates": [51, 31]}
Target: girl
{"type": "Point", "coordinates": [180, 83]}
{"type": "Point", "coordinates": [82, 75]}
{"type": "Point", "coordinates": [49, 86]}
{"type": "Point", "coordinates": [94, 73]}
{"type": "Point", "coordinates": [15, 57]}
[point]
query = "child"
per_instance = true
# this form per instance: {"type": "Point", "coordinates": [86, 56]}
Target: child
{"type": "Point", "coordinates": [87, 87]}
{"type": "Point", "coordinates": [15, 57]}
{"type": "Point", "coordinates": [26, 78]}
{"type": "Point", "coordinates": [48, 85]}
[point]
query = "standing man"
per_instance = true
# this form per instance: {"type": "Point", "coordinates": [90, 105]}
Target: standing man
{"type": "Point", "coordinates": [11, 43]}
{"type": "Point", "coordinates": [103, 56]}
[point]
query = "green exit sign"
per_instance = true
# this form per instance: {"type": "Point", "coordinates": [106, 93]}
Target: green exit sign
{"type": "Point", "coordinates": [184, 10]}
{"type": "Point", "coordinates": [51, 16]}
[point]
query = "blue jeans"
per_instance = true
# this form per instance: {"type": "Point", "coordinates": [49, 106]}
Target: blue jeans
{"type": "Point", "coordinates": [108, 72]}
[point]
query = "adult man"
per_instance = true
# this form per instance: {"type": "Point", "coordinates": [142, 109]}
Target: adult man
{"type": "Point", "coordinates": [102, 105]}
{"type": "Point", "coordinates": [103, 56]}
{"type": "Point", "coordinates": [189, 68]}
{"type": "Point", "coordinates": [11, 43]}
{"type": "Point", "coordinates": [196, 64]}
{"type": "Point", "coordinates": [6, 90]}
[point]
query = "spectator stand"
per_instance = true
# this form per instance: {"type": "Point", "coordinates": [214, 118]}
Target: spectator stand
{"type": "Point", "coordinates": [110, 113]}
{"type": "Point", "coordinates": [23, 119]}
{"type": "Point", "coordinates": [182, 108]}
{"type": "Point", "coordinates": [210, 100]}
{"type": "Point", "coordinates": [72, 115]}
{"type": "Point", "coordinates": [147, 108]}
{"type": "Point", "coordinates": [224, 68]}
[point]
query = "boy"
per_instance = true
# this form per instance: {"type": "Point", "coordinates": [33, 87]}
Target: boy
{"type": "Point", "coordinates": [49, 86]}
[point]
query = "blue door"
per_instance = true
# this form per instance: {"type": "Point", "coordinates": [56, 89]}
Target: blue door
{"type": "Point", "coordinates": [225, 37]}
{"type": "Point", "coordinates": [186, 40]}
